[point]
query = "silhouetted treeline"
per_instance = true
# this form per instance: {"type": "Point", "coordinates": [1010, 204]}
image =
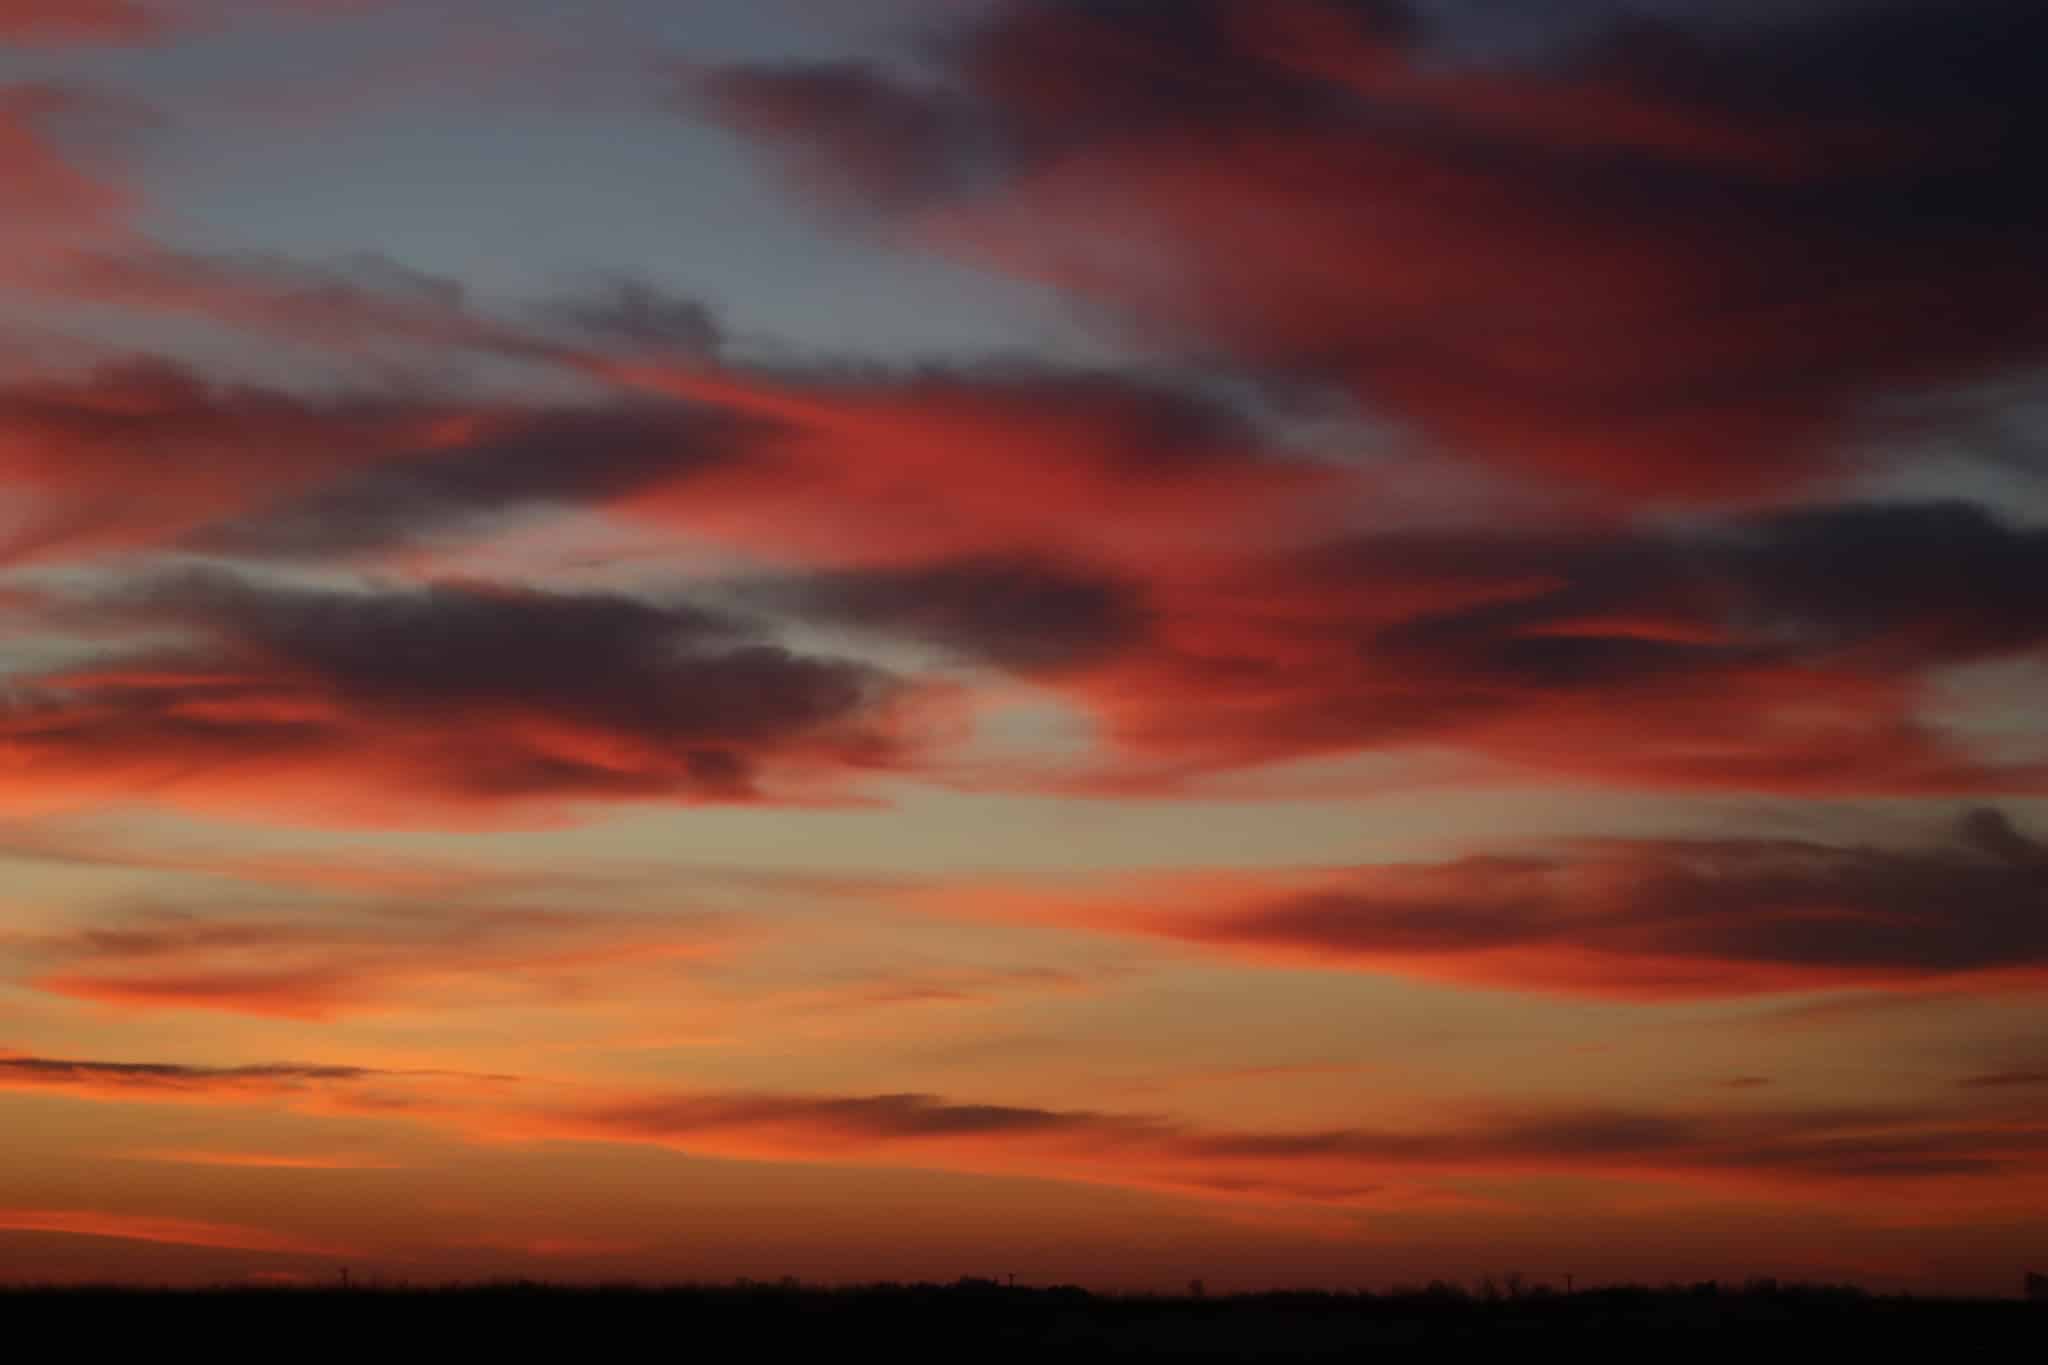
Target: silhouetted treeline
{"type": "Point", "coordinates": [976, 1319]}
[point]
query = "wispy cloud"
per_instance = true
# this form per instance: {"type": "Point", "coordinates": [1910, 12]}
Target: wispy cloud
{"type": "Point", "coordinates": [376, 958]}
{"type": "Point", "coordinates": [1644, 920]}
{"type": "Point", "coordinates": [187, 1232]}
{"type": "Point", "coordinates": [1833, 1155]}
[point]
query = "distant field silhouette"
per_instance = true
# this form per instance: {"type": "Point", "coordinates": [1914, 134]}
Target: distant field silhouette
{"type": "Point", "coordinates": [982, 1319]}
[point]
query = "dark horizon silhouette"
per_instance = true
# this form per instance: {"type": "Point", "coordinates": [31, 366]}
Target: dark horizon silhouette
{"type": "Point", "coordinates": [997, 1320]}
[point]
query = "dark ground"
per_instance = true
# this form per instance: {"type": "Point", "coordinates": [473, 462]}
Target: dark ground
{"type": "Point", "coordinates": [976, 1320]}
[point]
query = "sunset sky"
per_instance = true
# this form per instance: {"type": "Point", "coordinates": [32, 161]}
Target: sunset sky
{"type": "Point", "coordinates": [1303, 642]}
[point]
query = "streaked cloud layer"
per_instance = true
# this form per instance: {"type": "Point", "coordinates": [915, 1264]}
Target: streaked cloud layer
{"type": "Point", "coordinates": [1451, 631]}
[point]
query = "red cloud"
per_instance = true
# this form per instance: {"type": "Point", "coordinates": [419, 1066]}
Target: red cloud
{"type": "Point", "coordinates": [130, 21]}
{"type": "Point", "coordinates": [1679, 269]}
{"type": "Point", "coordinates": [1788, 653]}
{"type": "Point", "coordinates": [859, 467]}
{"type": "Point", "coordinates": [864, 468]}
{"type": "Point", "coordinates": [879, 468]}
{"type": "Point", "coordinates": [366, 301]}
{"type": "Point", "coordinates": [1586, 269]}
{"type": "Point", "coordinates": [1200, 608]}
{"type": "Point", "coordinates": [81, 21]}
{"type": "Point", "coordinates": [51, 201]}
{"type": "Point", "coordinates": [142, 453]}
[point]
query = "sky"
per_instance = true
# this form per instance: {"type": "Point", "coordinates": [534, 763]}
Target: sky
{"type": "Point", "coordinates": [1292, 642]}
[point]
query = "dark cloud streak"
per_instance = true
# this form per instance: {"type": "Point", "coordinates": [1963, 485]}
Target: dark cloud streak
{"type": "Point", "coordinates": [1648, 919]}
{"type": "Point", "coordinates": [466, 694]}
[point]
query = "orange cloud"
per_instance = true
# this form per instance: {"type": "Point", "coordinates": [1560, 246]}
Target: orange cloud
{"type": "Point", "coordinates": [397, 876]}
{"type": "Point", "coordinates": [1968, 1157]}
{"type": "Point", "coordinates": [267, 1161]}
{"type": "Point", "coordinates": [1825, 1156]}
{"type": "Point", "coordinates": [382, 959]}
